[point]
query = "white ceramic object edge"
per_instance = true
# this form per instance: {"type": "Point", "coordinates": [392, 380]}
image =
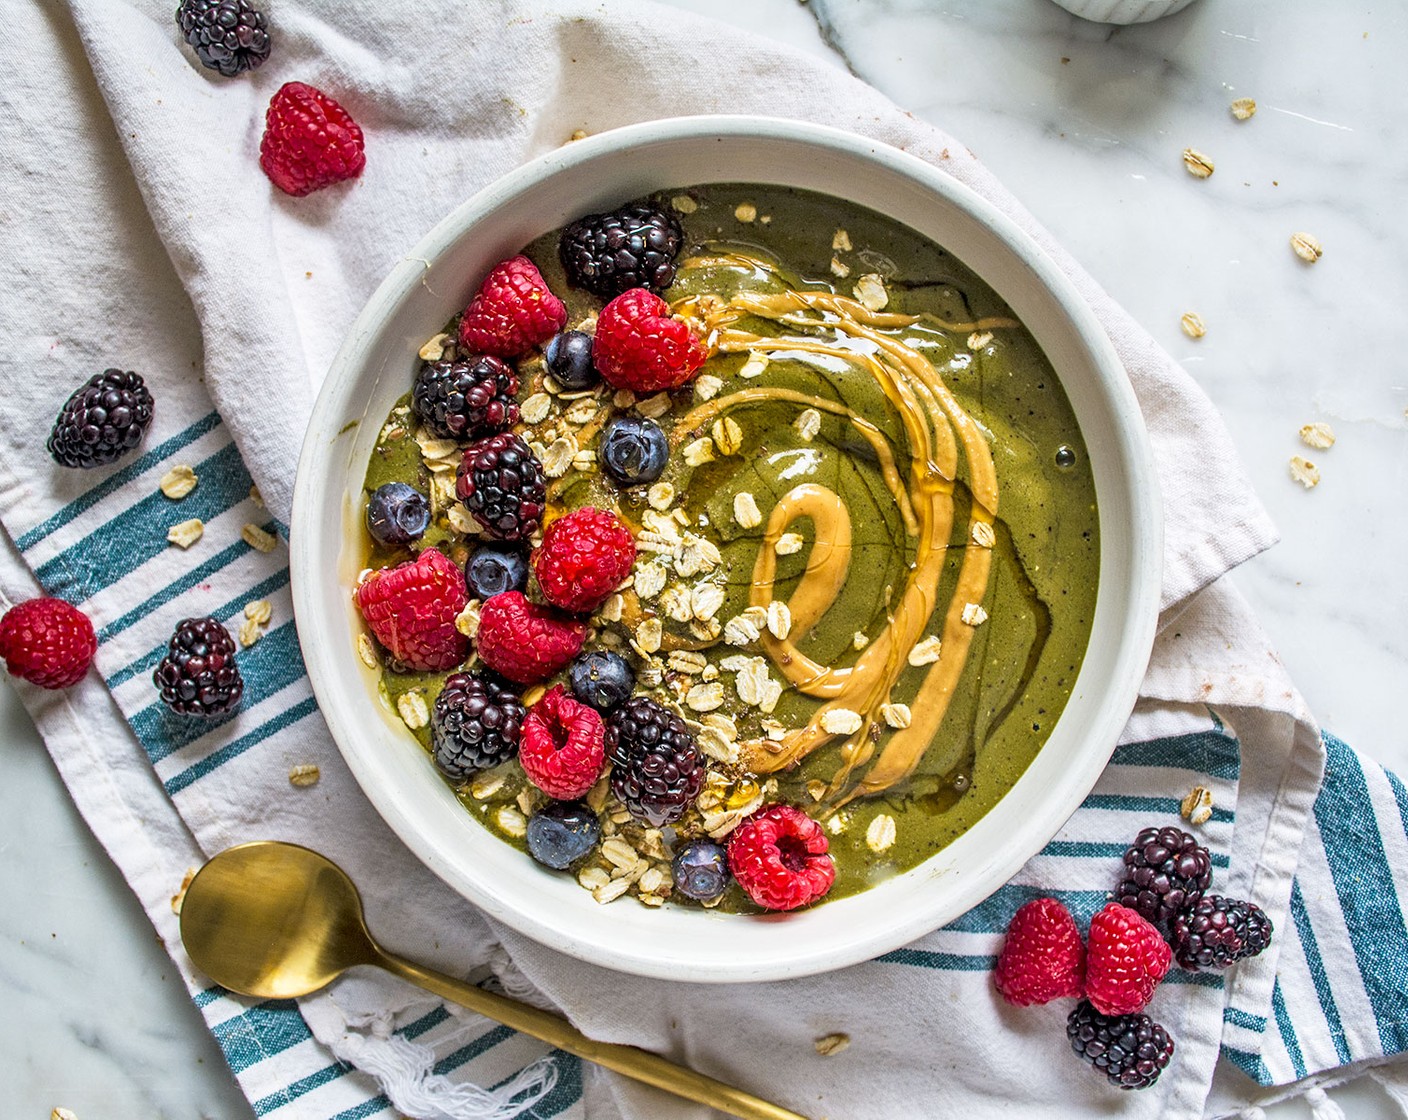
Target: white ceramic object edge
{"type": "Point", "coordinates": [436, 278]}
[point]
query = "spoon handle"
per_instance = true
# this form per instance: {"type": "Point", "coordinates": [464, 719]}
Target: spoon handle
{"type": "Point", "coordinates": [629, 1060]}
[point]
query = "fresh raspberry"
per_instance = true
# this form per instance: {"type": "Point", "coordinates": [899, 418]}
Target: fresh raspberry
{"type": "Point", "coordinates": [411, 609]}
{"type": "Point", "coordinates": [584, 558]}
{"type": "Point", "coordinates": [309, 141]}
{"type": "Point", "coordinates": [561, 749]}
{"type": "Point", "coordinates": [47, 642]}
{"type": "Point", "coordinates": [512, 312]}
{"type": "Point", "coordinates": [778, 855]}
{"type": "Point", "coordinates": [1043, 957]}
{"type": "Point", "coordinates": [639, 346]}
{"type": "Point", "coordinates": [525, 642]}
{"type": "Point", "coordinates": [1125, 959]}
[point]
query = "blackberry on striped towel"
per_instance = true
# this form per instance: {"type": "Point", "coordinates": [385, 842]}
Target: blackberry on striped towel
{"type": "Point", "coordinates": [1166, 870]}
{"type": "Point", "coordinates": [199, 676]}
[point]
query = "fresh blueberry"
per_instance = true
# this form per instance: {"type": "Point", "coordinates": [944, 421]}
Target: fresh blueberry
{"type": "Point", "coordinates": [700, 869]}
{"type": "Point", "coordinates": [569, 359]}
{"type": "Point", "coordinates": [561, 833]}
{"type": "Point", "coordinates": [633, 451]}
{"type": "Point", "coordinates": [601, 680]}
{"type": "Point", "coordinates": [492, 570]}
{"type": "Point", "coordinates": [397, 514]}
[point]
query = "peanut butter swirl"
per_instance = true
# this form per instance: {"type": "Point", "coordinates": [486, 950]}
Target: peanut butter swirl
{"type": "Point", "coordinates": [937, 431]}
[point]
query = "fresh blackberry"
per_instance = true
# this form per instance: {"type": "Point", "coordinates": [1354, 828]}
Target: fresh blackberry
{"type": "Point", "coordinates": [633, 247]}
{"type": "Point", "coordinates": [466, 400]}
{"type": "Point", "coordinates": [657, 769]}
{"type": "Point", "coordinates": [1131, 1050]}
{"type": "Point", "coordinates": [1217, 931]}
{"type": "Point", "coordinates": [1165, 871]}
{"type": "Point", "coordinates": [103, 420]}
{"type": "Point", "coordinates": [199, 676]}
{"type": "Point", "coordinates": [231, 36]}
{"type": "Point", "coordinates": [475, 724]}
{"type": "Point", "coordinates": [501, 483]}
{"type": "Point", "coordinates": [601, 679]}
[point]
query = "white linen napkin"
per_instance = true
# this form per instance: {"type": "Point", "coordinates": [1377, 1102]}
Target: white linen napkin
{"type": "Point", "coordinates": [156, 243]}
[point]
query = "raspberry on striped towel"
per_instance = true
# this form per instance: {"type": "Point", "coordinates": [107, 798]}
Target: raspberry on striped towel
{"type": "Point", "coordinates": [561, 749]}
{"type": "Point", "coordinates": [47, 642]}
{"type": "Point", "coordinates": [779, 857]}
{"type": "Point", "coordinates": [1125, 959]}
{"type": "Point", "coordinates": [1043, 957]}
{"type": "Point", "coordinates": [640, 346]}
{"type": "Point", "coordinates": [512, 312]}
{"type": "Point", "coordinates": [525, 642]}
{"type": "Point", "coordinates": [583, 559]}
{"type": "Point", "coordinates": [412, 608]}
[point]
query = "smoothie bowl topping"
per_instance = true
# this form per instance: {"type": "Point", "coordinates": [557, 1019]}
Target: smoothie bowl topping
{"type": "Point", "coordinates": [734, 547]}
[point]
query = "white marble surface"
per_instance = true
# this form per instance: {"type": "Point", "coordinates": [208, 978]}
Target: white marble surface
{"type": "Point", "coordinates": [1085, 124]}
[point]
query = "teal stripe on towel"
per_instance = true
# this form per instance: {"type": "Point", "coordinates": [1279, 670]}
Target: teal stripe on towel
{"type": "Point", "coordinates": [139, 532]}
{"type": "Point", "coordinates": [264, 1030]}
{"type": "Point", "coordinates": [1315, 965]}
{"type": "Point", "coordinates": [1287, 1029]}
{"type": "Point", "coordinates": [1367, 893]}
{"type": "Point", "coordinates": [115, 481]}
{"type": "Point", "coordinates": [943, 962]}
{"type": "Point", "coordinates": [1208, 753]}
{"type": "Point", "coordinates": [285, 719]}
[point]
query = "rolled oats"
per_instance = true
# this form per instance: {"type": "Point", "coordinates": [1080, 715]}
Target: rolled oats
{"type": "Point", "coordinates": [186, 533]}
{"type": "Point", "coordinates": [897, 716]}
{"type": "Point", "coordinates": [745, 212]}
{"type": "Point", "coordinates": [841, 241]}
{"type": "Point", "coordinates": [927, 651]}
{"type": "Point", "coordinates": [649, 580]}
{"type": "Point", "coordinates": [808, 424]}
{"type": "Point", "coordinates": [1244, 108]}
{"type": "Point", "coordinates": [304, 776]}
{"type": "Point", "coordinates": [870, 292]}
{"type": "Point", "coordinates": [434, 350]}
{"type": "Point", "coordinates": [788, 543]}
{"type": "Point", "coordinates": [841, 721]}
{"type": "Point", "coordinates": [652, 408]}
{"type": "Point", "coordinates": [880, 835]}
{"type": "Point", "coordinates": [558, 457]}
{"type": "Point", "coordinates": [610, 892]}
{"type": "Point", "coordinates": [830, 1044]}
{"type": "Point", "coordinates": [983, 535]}
{"type": "Point", "coordinates": [179, 481]}
{"type": "Point", "coordinates": [593, 877]}
{"type": "Point", "coordinates": [978, 339]}
{"type": "Point", "coordinates": [746, 511]}
{"type": "Point", "coordinates": [258, 539]}
{"type": "Point", "coordinates": [415, 712]}
{"type": "Point", "coordinates": [698, 452]}
{"type": "Point", "coordinates": [660, 496]}
{"type": "Point", "coordinates": [705, 697]}
{"type": "Point", "coordinates": [684, 204]}
{"type": "Point", "coordinates": [779, 619]}
{"type": "Point", "coordinates": [536, 408]}
{"type": "Point", "coordinates": [1193, 325]}
{"type": "Point", "coordinates": [1196, 808]}
{"type": "Point", "coordinates": [757, 362]}
{"type": "Point", "coordinates": [1305, 472]}
{"type": "Point", "coordinates": [728, 436]}
{"type": "Point", "coordinates": [974, 615]}
{"type": "Point", "coordinates": [1199, 165]}
{"type": "Point", "coordinates": [707, 386]}
{"type": "Point", "coordinates": [859, 640]}
{"type": "Point", "coordinates": [367, 652]}
{"type": "Point", "coordinates": [467, 621]}
{"type": "Point", "coordinates": [687, 661]}
{"type": "Point", "coordinates": [511, 821]}
{"type": "Point", "coordinates": [840, 268]}
{"type": "Point", "coordinates": [249, 633]}
{"type": "Point", "coordinates": [675, 602]}
{"type": "Point", "coordinates": [649, 635]}
{"type": "Point", "coordinates": [705, 599]}
{"type": "Point", "coordinates": [1318, 435]}
{"type": "Point", "coordinates": [485, 785]}
{"type": "Point", "coordinates": [1306, 247]}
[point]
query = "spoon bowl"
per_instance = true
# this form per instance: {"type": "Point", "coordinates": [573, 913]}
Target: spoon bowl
{"type": "Point", "coordinates": [277, 920]}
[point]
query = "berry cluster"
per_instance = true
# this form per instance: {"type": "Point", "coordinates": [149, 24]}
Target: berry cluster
{"type": "Point", "coordinates": [1159, 912]}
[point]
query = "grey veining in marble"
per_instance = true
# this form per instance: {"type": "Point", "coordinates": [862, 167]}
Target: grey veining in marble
{"type": "Point", "coordinates": [1084, 123]}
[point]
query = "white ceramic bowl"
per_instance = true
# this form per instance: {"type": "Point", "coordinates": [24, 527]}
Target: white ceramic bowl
{"type": "Point", "coordinates": [375, 367]}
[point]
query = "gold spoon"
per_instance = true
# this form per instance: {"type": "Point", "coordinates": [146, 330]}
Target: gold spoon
{"type": "Point", "coordinates": [276, 920]}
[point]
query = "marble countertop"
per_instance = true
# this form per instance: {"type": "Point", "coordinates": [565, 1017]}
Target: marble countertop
{"type": "Point", "coordinates": [1085, 124]}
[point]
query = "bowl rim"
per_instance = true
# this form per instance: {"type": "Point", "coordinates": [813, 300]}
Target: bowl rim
{"type": "Point", "coordinates": [1063, 791]}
